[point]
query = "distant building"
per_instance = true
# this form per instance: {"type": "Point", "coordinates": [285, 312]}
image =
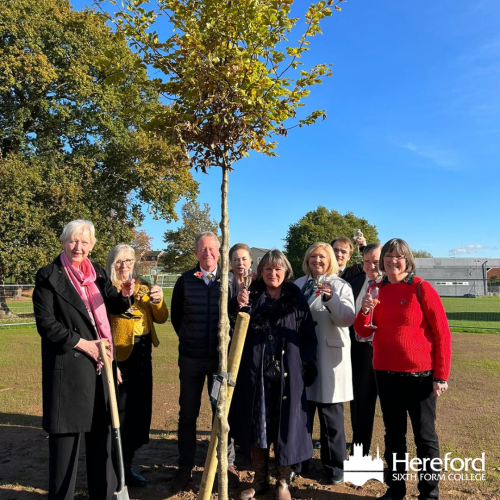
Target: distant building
{"type": "Point", "coordinates": [148, 260]}
{"type": "Point", "coordinates": [257, 254]}
{"type": "Point", "coordinates": [458, 277]}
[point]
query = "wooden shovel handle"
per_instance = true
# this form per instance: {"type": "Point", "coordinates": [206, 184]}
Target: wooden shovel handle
{"type": "Point", "coordinates": [108, 373]}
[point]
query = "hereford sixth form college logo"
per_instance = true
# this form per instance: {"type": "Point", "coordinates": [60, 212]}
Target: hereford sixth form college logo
{"type": "Point", "coordinates": [360, 468]}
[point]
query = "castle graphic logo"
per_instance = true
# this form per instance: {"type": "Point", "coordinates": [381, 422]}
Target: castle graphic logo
{"type": "Point", "coordinates": [359, 468]}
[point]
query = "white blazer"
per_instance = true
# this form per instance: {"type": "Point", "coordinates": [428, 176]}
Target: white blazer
{"type": "Point", "coordinates": [333, 318]}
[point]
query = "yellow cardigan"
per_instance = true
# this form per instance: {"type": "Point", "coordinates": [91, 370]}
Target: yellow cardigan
{"type": "Point", "coordinates": [146, 313]}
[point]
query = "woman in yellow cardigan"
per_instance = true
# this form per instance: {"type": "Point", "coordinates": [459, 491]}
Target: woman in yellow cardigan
{"type": "Point", "coordinates": [133, 334]}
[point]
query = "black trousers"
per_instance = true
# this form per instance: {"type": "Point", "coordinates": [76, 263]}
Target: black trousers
{"type": "Point", "coordinates": [64, 450]}
{"type": "Point", "coordinates": [401, 396]}
{"type": "Point", "coordinates": [135, 398]}
{"type": "Point", "coordinates": [192, 375]}
{"type": "Point", "coordinates": [365, 392]}
{"type": "Point", "coordinates": [332, 438]}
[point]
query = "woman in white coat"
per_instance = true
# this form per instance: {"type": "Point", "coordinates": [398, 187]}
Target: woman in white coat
{"type": "Point", "coordinates": [332, 306]}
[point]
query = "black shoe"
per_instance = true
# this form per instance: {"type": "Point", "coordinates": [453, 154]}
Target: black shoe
{"type": "Point", "coordinates": [336, 479]}
{"type": "Point", "coordinates": [180, 480]}
{"type": "Point", "coordinates": [388, 496]}
{"type": "Point", "coordinates": [233, 478]}
{"type": "Point", "coordinates": [133, 479]}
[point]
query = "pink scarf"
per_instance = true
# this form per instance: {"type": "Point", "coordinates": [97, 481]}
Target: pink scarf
{"type": "Point", "coordinates": [83, 280]}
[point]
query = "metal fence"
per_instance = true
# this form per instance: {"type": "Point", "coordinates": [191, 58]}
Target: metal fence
{"type": "Point", "coordinates": [466, 310]}
{"type": "Point", "coordinates": [16, 306]}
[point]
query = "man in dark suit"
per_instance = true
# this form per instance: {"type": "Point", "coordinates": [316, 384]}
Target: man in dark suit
{"type": "Point", "coordinates": [363, 375]}
{"type": "Point", "coordinates": [194, 313]}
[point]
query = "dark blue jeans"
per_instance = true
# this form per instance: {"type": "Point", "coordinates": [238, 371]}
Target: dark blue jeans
{"type": "Point", "coordinates": [192, 375]}
{"type": "Point", "coordinates": [401, 396]}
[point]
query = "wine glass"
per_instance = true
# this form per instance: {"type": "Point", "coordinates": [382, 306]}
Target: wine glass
{"type": "Point", "coordinates": [154, 276]}
{"type": "Point", "coordinates": [247, 278]}
{"type": "Point", "coordinates": [320, 279]}
{"type": "Point", "coordinates": [374, 295]}
{"type": "Point", "coordinates": [129, 312]}
{"type": "Point", "coordinates": [319, 282]}
{"type": "Point", "coordinates": [357, 234]}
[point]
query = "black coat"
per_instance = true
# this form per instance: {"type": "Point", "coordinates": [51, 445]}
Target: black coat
{"type": "Point", "coordinates": [351, 273]}
{"type": "Point", "coordinates": [292, 318]}
{"type": "Point", "coordinates": [359, 350]}
{"type": "Point", "coordinates": [194, 312]}
{"type": "Point", "coordinates": [69, 376]}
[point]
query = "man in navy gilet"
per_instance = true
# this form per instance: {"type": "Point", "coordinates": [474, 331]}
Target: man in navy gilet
{"type": "Point", "coordinates": [194, 313]}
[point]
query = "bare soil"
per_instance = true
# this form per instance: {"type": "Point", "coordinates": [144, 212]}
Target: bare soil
{"type": "Point", "coordinates": [468, 424]}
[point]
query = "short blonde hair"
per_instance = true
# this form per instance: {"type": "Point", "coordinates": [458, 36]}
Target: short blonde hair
{"type": "Point", "coordinates": [113, 256]}
{"type": "Point", "coordinates": [78, 226]}
{"type": "Point", "coordinates": [401, 247]}
{"type": "Point", "coordinates": [275, 258]}
{"type": "Point", "coordinates": [333, 267]}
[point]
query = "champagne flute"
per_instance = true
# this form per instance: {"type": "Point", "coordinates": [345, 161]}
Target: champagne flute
{"type": "Point", "coordinates": [154, 276]}
{"type": "Point", "coordinates": [320, 279]}
{"type": "Point", "coordinates": [319, 282]}
{"type": "Point", "coordinates": [357, 234]}
{"type": "Point", "coordinates": [247, 278]}
{"type": "Point", "coordinates": [374, 295]}
{"type": "Point", "coordinates": [128, 296]}
{"type": "Point", "coordinates": [154, 280]}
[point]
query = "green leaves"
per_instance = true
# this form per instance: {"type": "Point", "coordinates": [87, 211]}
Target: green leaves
{"type": "Point", "coordinates": [76, 109]}
{"type": "Point", "coordinates": [179, 255]}
{"type": "Point", "coordinates": [323, 225]}
{"type": "Point", "coordinates": [226, 72]}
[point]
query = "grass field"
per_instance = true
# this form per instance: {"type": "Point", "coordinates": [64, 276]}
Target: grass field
{"type": "Point", "coordinates": [464, 315]}
{"type": "Point", "coordinates": [481, 312]}
{"type": "Point", "coordinates": [468, 424]}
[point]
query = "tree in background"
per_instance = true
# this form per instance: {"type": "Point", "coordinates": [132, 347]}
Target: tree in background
{"type": "Point", "coordinates": [232, 80]}
{"type": "Point", "coordinates": [424, 254]}
{"type": "Point", "coordinates": [179, 256]}
{"type": "Point", "coordinates": [74, 103]}
{"type": "Point", "coordinates": [141, 241]}
{"type": "Point", "coordinates": [323, 225]}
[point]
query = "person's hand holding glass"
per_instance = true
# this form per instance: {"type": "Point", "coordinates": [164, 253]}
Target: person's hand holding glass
{"type": "Point", "coordinates": [156, 293]}
{"type": "Point", "coordinates": [369, 303]}
{"type": "Point", "coordinates": [359, 239]}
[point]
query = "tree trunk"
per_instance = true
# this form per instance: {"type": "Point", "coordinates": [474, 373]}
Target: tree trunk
{"type": "Point", "coordinates": [223, 335]}
{"type": "Point", "coordinates": [4, 308]}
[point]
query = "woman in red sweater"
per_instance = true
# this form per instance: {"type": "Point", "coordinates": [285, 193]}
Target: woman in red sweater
{"type": "Point", "coordinates": [411, 358]}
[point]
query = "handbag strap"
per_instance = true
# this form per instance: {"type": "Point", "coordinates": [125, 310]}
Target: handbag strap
{"type": "Point", "coordinates": [419, 292]}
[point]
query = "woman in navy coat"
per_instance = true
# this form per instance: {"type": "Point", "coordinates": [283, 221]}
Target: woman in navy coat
{"type": "Point", "coordinates": [278, 362]}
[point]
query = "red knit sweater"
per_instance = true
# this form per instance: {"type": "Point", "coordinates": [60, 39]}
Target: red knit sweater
{"type": "Point", "coordinates": [409, 337]}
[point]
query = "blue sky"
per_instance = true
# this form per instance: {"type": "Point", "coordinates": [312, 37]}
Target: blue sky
{"type": "Point", "coordinates": [412, 139]}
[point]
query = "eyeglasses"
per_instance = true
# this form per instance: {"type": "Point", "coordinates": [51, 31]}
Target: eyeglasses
{"type": "Point", "coordinates": [128, 262]}
{"type": "Point", "coordinates": [397, 257]}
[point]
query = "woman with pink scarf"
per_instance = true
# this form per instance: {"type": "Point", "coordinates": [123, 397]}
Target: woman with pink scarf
{"type": "Point", "coordinates": [72, 299]}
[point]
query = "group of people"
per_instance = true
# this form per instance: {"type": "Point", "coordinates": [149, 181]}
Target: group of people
{"type": "Point", "coordinates": [309, 348]}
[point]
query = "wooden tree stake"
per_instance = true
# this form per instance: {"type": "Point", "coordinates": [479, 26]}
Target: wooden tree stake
{"type": "Point", "coordinates": [233, 364]}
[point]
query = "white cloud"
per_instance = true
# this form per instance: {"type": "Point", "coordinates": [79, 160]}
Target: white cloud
{"type": "Point", "coordinates": [441, 157]}
{"type": "Point", "coordinates": [467, 249]}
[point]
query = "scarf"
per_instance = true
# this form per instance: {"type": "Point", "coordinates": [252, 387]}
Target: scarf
{"type": "Point", "coordinates": [83, 280]}
{"type": "Point", "coordinates": [309, 288]}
